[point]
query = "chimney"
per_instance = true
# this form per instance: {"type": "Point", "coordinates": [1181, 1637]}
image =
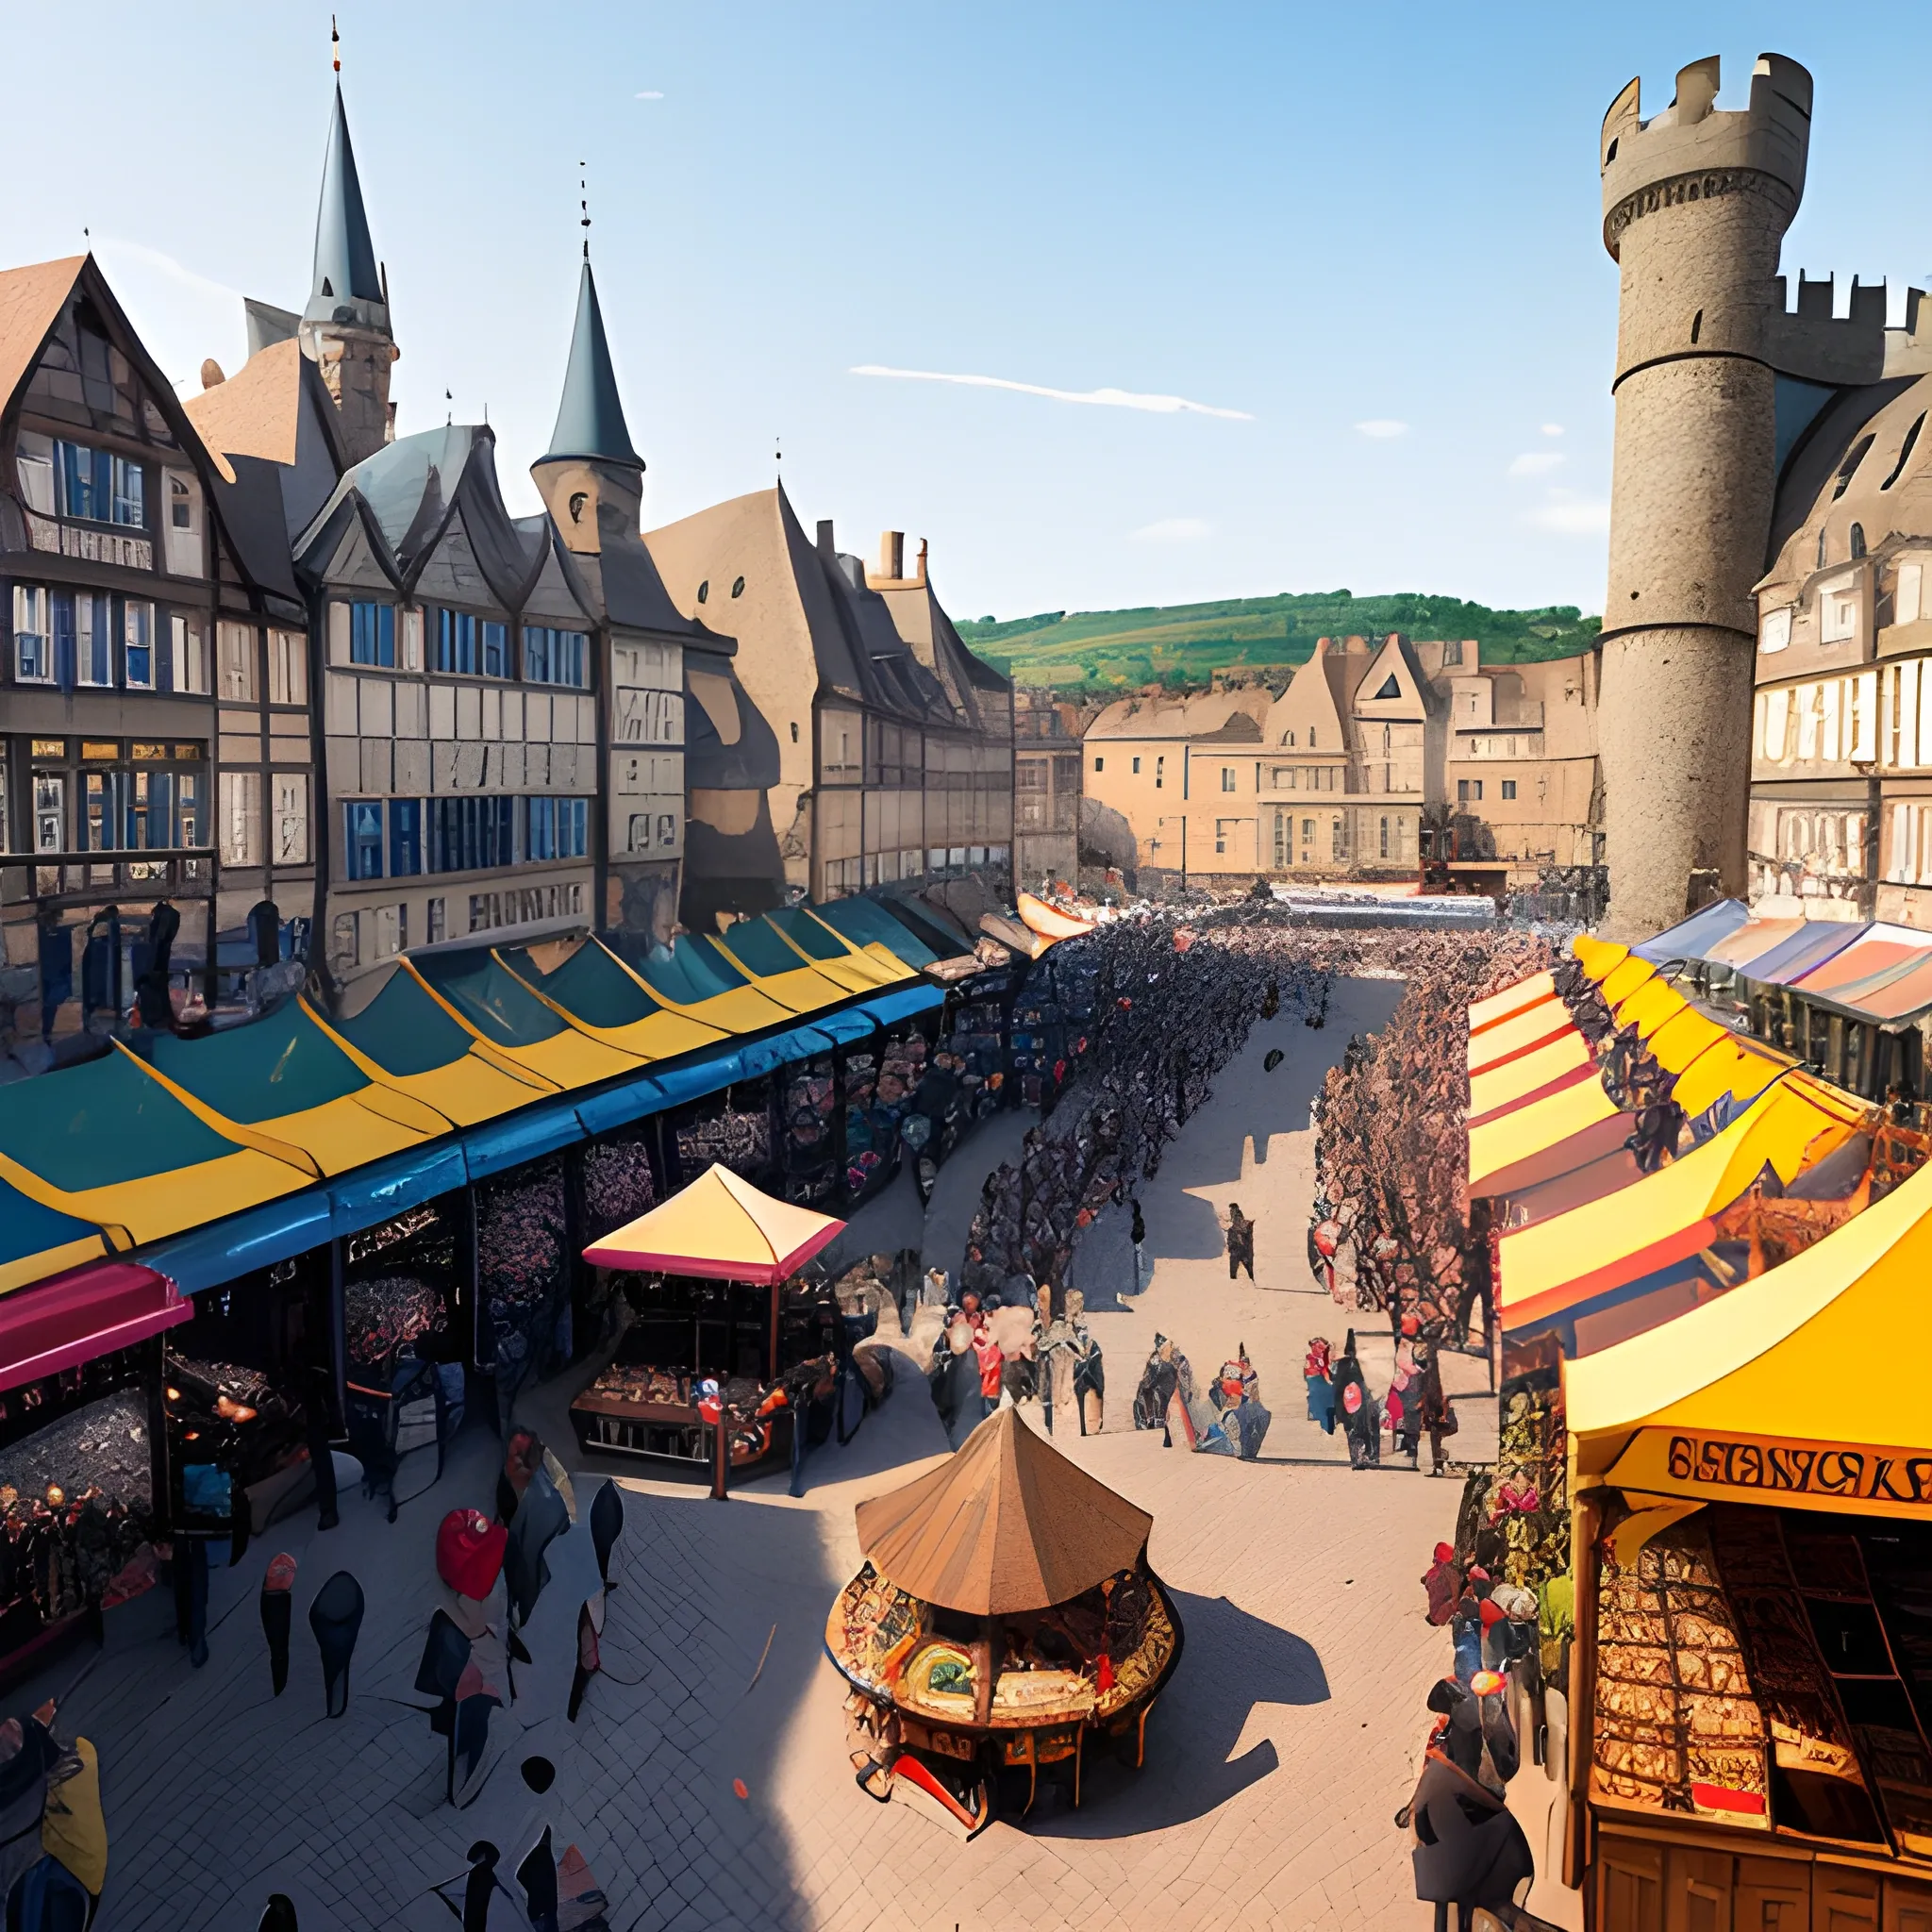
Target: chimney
{"type": "Point", "coordinates": [892, 554]}
{"type": "Point", "coordinates": [827, 549]}
{"type": "Point", "coordinates": [921, 559]}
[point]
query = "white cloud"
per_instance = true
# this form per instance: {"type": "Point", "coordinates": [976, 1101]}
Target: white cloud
{"type": "Point", "coordinates": [650, 94]}
{"type": "Point", "coordinates": [110, 249]}
{"type": "Point", "coordinates": [1537, 462]}
{"type": "Point", "coordinates": [1382, 427]}
{"type": "Point", "coordinates": [1174, 530]}
{"type": "Point", "coordinates": [1552, 429]}
{"type": "Point", "coordinates": [1112, 398]}
{"type": "Point", "coordinates": [1570, 515]}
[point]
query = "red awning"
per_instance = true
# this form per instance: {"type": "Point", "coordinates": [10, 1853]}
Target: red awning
{"type": "Point", "coordinates": [73, 1318]}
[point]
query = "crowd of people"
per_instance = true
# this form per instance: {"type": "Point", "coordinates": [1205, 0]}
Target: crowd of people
{"type": "Point", "coordinates": [1391, 1228]}
{"type": "Point", "coordinates": [1414, 1404]}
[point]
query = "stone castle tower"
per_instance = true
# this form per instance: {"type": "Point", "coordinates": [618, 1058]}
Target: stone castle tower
{"type": "Point", "coordinates": [1695, 205]}
{"type": "Point", "coordinates": [345, 328]}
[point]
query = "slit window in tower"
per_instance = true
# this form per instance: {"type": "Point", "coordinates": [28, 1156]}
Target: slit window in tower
{"type": "Point", "coordinates": [1905, 450]}
{"type": "Point", "coordinates": [1848, 468]}
{"type": "Point", "coordinates": [1696, 326]}
{"type": "Point", "coordinates": [1857, 542]}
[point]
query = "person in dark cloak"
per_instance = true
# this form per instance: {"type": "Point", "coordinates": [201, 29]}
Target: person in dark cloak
{"type": "Point", "coordinates": [1357, 1409]}
{"type": "Point", "coordinates": [277, 1613]}
{"type": "Point", "coordinates": [1241, 1241]}
{"type": "Point", "coordinates": [1158, 1380]}
{"type": "Point", "coordinates": [541, 1518]}
{"type": "Point", "coordinates": [606, 1524]}
{"type": "Point", "coordinates": [336, 1618]}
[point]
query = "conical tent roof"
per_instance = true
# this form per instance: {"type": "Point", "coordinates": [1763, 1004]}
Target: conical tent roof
{"type": "Point", "coordinates": [1006, 1524]}
{"type": "Point", "coordinates": [590, 419]}
{"type": "Point", "coordinates": [721, 1227]}
{"type": "Point", "coordinates": [346, 269]}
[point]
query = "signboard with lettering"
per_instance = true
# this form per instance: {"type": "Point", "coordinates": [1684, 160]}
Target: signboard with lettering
{"type": "Point", "coordinates": [1861, 1477]}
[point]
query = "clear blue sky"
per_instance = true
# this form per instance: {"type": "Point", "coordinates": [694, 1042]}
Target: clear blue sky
{"type": "Point", "coordinates": [1320, 217]}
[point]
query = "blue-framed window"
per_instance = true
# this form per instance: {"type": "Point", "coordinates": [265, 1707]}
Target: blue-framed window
{"type": "Point", "coordinates": [455, 642]}
{"type": "Point", "coordinates": [100, 488]}
{"type": "Point", "coordinates": [496, 648]}
{"type": "Point", "coordinates": [363, 837]}
{"type": "Point", "coordinates": [469, 834]}
{"type": "Point", "coordinates": [138, 645]}
{"type": "Point", "coordinates": [556, 657]}
{"type": "Point", "coordinates": [559, 827]}
{"type": "Point", "coordinates": [404, 837]}
{"type": "Point", "coordinates": [372, 634]}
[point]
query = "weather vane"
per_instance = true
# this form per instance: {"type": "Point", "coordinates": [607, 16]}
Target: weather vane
{"type": "Point", "coordinates": [334, 44]}
{"type": "Point", "coordinates": [584, 204]}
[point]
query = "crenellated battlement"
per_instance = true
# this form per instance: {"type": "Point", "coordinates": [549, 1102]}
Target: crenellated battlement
{"type": "Point", "coordinates": [1807, 339]}
{"type": "Point", "coordinates": [1694, 151]}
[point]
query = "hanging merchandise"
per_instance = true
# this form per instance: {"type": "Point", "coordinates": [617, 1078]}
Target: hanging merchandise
{"type": "Point", "coordinates": [523, 1275]}
{"type": "Point", "coordinates": [807, 1110]}
{"type": "Point", "coordinates": [734, 1129]}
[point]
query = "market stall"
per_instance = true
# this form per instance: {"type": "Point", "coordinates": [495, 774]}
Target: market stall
{"type": "Point", "coordinates": [1005, 1619]}
{"type": "Point", "coordinates": [721, 1338]}
{"type": "Point", "coordinates": [1753, 1673]}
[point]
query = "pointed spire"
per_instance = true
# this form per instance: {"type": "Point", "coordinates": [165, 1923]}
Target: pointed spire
{"type": "Point", "coordinates": [590, 420]}
{"type": "Point", "coordinates": [345, 271]}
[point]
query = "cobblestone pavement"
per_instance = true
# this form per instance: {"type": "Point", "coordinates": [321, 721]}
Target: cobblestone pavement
{"type": "Point", "coordinates": [1276, 1758]}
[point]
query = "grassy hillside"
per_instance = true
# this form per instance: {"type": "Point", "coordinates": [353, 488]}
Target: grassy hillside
{"type": "Point", "coordinates": [1184, 643]}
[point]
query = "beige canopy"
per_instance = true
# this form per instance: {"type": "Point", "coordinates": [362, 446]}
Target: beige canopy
{"type": "Point", "coordinates": [1006, 1524]}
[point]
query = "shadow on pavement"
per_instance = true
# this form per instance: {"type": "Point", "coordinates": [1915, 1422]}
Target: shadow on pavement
{"type": "Point", "coordinates": [1232, 1661]}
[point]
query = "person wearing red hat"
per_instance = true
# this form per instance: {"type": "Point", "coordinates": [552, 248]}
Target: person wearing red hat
{"type": "Point", "coordinates": [469, 1553]}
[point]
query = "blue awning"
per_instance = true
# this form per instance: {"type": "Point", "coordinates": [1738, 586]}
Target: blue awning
{"type": "Point", "coordinates": [1693, 938]}
{"type": "Point", "coordinates": [757, 1056]}
{"type": "Point", "coordinates": [213, 1255]}
{"type": "Point", "coordinates": [520, 1136]}
{"type": "Point", "coordinates": [384, 1189]}
{"type": "Point", "coordinates": [903, 1001]}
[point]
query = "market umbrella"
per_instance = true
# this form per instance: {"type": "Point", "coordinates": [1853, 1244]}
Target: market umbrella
{"type": "Point", "coordinates": [1006, 1524]}
{"type": "Point", "coordinates": [720, 1227]}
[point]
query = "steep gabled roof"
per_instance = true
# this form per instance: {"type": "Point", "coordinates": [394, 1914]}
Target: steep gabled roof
{"type": "Point", "coordinates": [257, 410]}
{"type": "Point", "coordinates": [31, 304]}
{"type": "Point", "coordinates": [1395, 665]}
{"type": "Point", "coordinates": [590, 418]}
{"type": "Point", "coordinates": [1314, 700]}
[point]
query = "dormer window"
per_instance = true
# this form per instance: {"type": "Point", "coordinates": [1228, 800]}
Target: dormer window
{"type": "Point", "coordinates": [94, 486]}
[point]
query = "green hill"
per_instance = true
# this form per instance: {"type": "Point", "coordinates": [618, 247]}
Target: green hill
{"type": "Point", "coordinates": [1182, 643]}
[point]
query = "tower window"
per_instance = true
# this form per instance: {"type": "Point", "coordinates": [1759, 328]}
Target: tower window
{"type": "Point", "coordinates": [1821, 550]}
{"type": "Point", "coordinates": [1696, 326]}
{"type": "Point", "coordinates": [1846, 469]}
{"type": "Point", "coordinates": [1858, 541]}
{"type": "Point", "coordinates": [738, 587]}
{"type": "Point", "coordinates": [1905, 450]}
{"type": "Point", "coordinates": [703, 590]}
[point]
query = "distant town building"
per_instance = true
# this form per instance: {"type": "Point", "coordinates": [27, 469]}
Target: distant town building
{"type": "Point", "coordinates": [1047, 787]}
{"type": "Point", "coordinates": [1371, 753]}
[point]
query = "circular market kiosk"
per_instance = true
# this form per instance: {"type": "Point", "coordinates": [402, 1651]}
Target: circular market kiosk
{"type": "Point", "coordinates": [1004, 1619]}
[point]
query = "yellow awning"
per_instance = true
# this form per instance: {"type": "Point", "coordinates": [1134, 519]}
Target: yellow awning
{"type": "Point", "coordinates": [1535, 1127]}
{"type": "Point", "coordinates": [1682, 1036]}
{"type": "Point", "coordinates": [1755, 1397]}
{"type": "Point", "coordinates": [1507, 1085]}
{"type": "Point", "coordinates": [720, 1227]}
{"type": "Point", "coordinates": [1653, 1005]}
{"type": "Point", "coordinates": [1513, 999]}
{"type": "Point", "coordinates": [655, 1035]}
{"type": "Point", "coordinates": [856, 970]}
{"type": "Point", "coordinates": [800, 989]}
{"type": "Point", "coordinates": [1598, 958]}
{"type": "Point", "coordinates": [1789, 1129]}
{"type": "Point", "coordinates": [1622, 982]}
{"type": "Point", "coordinates": [1730, 1067]}
{"type": "Point", "coordinates": [1535, 1028]}
{"type": "Point", "coordinates": [569, 1057]}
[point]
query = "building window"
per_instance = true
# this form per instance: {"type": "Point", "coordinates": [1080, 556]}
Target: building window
{"type": "Point", "coordinates": [1384, 838]}
{"type": "Point", "coordinates": [33, 650]}
{"type": "Point", "coordinates": [495, 639]}
{"type": "Point", "coordinates": [98, 488]}
{"type": "Point", "coordinates": [1858, 541]}
{"type": "Point", "coordinates": [89, 624]}
{"type": "Point", "coordinates": [555, 656]}
{"type": "Point", "coordinates": [404, 837]}
{"type": "Point", "coordinates": [241, 818]}
{"type": "Point", "coordinates": [372, 634]}
{"type": "Point", "coordinates": [1508, 788]}
{"type": "Point", "coordinates": [288, 668]}
{"type": "Point", "coordinates": [1100, 764]}
{"type": "Point", "coordinates": [558, 827]}
{"type": "Point", "coordinates": [191, 655]}
{"type": "Point", "coordinates": [291, 818]}
{"type": "Point", "coordinates": [1907, 593]}
{"type": "Point", "coordinates": [472, 834]}
{"type": "Point", "coordinates": [1136, 768]}
{"type": "Point", "coordinates": [1775, 629]}
{"type": "Point", "coordinates": [34, 465]}
{"type": "Point", "coordinates": [1288, 738]}
{"type": "Point", "coordinates": [1838, 612]}
{"type": "Point", "coordinates": [361, 838]}
{"type": "Point", "coordinates": [138, 643]}
{"type": "Point", "coordinates": [342, 943]}
{"type": "Point", "coordinates": [1462, 792]}
{"type": "Point", "coordinates": [1228, 777]}
{"type": "Point", "coordinates": [390, 930]}
{"type": "Point", "coordinates": [704, 590]}
{"type": "Point", "coordinates": [438, 923]}
{"type": "Point", "coordinates": [1159, 769]}
{"type": "Point", "coordinates": [237, 642]}
{"type": "Point", "coordinates": [460, 642]}
{"type": "Point", "coordinates": [1338, 841]}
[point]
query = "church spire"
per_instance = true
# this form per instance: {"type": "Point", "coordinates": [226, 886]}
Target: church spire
{"type": "Point", "coordinates": [590, 419]}
{"type": "Point", "coordinates": [345, 269]}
